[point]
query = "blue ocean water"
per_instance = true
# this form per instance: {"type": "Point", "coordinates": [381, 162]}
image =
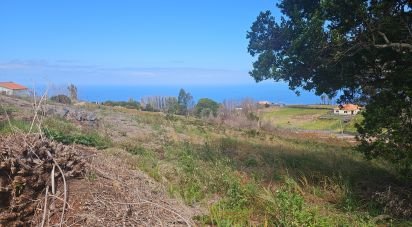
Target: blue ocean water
{"type": "Point", "coordinates": [277, 93]}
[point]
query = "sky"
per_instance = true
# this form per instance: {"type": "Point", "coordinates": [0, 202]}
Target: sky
{"type": "Point", "coordinates": [140, 42]}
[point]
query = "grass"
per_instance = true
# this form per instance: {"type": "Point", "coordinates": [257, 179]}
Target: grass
{"type": "Point", "coordinates": [60, 130]}
{"type": "Point", "coordinates": [14, 125]}
{"type": "Point", "coordinates": [247, 177]}
{"type": "Point", "coordinates": [65, 132]}
{"type": "Point", "coordinates": [309, 118]}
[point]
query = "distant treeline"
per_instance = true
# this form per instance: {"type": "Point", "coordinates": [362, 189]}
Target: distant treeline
{"type": "Point", "coordinates": [131, 104]}
{"type": "Point", "coordinates": [182, 104]}
{"type": "Point", "coordinates": [160, 103]}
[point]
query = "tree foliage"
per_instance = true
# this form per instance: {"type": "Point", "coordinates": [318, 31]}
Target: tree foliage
{"type": "Point", "coordinates": [362, 48]}
{"type": "Point", "coordinates": [206, 107]}
{"type": "Point", "coordinates": [61, 99]}
{"type": "Point", "coordinates": [130, 104]}
{"type": "Point", "coordinates": [72, 91]}
{"type": "Point", "coordinates": [160, 103]}
{"type": "Point", "coordinates": [185, 102]}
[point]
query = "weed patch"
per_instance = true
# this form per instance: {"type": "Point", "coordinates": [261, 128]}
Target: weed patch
{"type": "Point", "coordinates": [66, 133]}
{"type": "Point", "coordinates": [7, 127]}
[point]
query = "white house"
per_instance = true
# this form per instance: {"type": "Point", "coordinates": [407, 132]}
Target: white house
{"type": "Point", "coordinates": [10, 88]}
{"type": "Point", "coordinates": [347, 109]}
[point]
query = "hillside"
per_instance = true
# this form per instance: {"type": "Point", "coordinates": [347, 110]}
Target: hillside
{"type": "Point", "coordinates": [310, 117]}
{"type": "Point", "coordinates": [147, 168]}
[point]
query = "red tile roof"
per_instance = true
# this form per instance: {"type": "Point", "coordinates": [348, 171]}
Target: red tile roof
{"type": "Point", "coordinates": [347, 107]}
{"type": "Point", "coordinates": [12, 86]}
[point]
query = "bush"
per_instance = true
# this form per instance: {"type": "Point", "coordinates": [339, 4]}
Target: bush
{"type": "Point", "coordinates": [65, 132]}
{"type": "Point", "coordinates": [91, 139]}
{"type": "Point", "coordinates": [64, 99]}
{"type": "Point", "coordinates": [206, 107]}
{"type": "Point", "coordinates": [131, 104]}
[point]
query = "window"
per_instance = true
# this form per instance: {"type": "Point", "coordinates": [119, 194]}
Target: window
{"type": "Point", "coordinates": [345, 111]}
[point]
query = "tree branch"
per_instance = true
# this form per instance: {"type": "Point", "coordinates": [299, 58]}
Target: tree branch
{"type": "Point", "coordinates": [384, 37]}
{"type": "Point", "coordinates": [395, 45]}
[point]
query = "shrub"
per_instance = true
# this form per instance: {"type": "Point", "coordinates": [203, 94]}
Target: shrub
{"type": "Point", "coordinates": [206, 107]}
{"type": "Point", "coordinates": [64, 99]}
{"type": "Point", "coordinates": [65, 132]}
{"type": "Point", "coordinates": [90, 139]}
{"type": "Point", "coordinates": [131, 104]}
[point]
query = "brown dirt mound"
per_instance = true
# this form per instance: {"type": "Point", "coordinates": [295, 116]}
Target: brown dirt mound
{"type": "Point", "coordinates": [27, 163]}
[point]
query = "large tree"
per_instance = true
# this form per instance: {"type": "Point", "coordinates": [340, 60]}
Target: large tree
{"type": "Point", "coordinates": [185, 102]}
{"type": "Point", "coordinates": [362, 48]}
{"type": "Point", "coordinates": [206, 107]}
{"type": "Point", "coordinates": [73, 92]}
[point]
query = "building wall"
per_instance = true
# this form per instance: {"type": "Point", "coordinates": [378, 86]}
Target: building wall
{"type": "Point", "coordinates": [346, 112]}
{"type": "Point", "coordinates": [6, 91]}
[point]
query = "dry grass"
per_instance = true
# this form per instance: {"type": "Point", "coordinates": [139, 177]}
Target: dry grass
{"type": "Point", "coordinates": [118, 193]}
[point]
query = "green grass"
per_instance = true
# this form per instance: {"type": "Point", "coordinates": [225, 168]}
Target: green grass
{"type": "Point", "coordinates": [241, 171]}
{"type": "Point", "coordinates": [65, 132]}
{"type": "Point", "coordinates": [309, 118]}
{"type": "Point", "coordinates": [248, 177]}
{"type": "Point", "coordinates": [7, 127]}
{"type": "Point", "coordinates": [60, 130]}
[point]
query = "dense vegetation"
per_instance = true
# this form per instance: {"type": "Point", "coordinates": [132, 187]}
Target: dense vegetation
{"type": "Point", "coordinates": [363, 48]}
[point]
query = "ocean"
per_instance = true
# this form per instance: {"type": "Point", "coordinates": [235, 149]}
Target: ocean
{"type": "Point", "coordinates": [276, 93]}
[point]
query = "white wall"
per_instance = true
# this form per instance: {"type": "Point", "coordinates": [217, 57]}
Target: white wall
{"type": "Point", "coordinates": [6, 91]}
{"type": "Point", "coordinates": [13, 92]}
{"type": "Point", "coordinates": [345, 112]}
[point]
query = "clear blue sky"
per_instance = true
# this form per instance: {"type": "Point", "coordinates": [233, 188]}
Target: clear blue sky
{"type": "Point", "coordinates": [127, 42]}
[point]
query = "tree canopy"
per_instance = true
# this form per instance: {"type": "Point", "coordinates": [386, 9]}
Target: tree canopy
{"type": "Point", "coordinates": [185, 101]}
{"type": "Point", "coordinates": [73, 92]}
{"type": "Point", "coordinates": [362, 48]}
{"type": "Point", "coordinates": [206, 107]}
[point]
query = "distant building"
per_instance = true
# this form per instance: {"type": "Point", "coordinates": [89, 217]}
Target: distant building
{"type": "Point", "coordinates": [10, 88]}
{"type": "Point", "coordinates": [347, 109]}
{"type": "Point", "coordinates": [264, 103]}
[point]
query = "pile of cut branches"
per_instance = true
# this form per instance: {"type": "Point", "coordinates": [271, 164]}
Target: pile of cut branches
{"type": "Point", "coordinates": [33, 173]}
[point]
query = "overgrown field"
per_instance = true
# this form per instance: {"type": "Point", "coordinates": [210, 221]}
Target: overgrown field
{"type": "Point", "coordinates": [242, 177]}
{"type": "Point", "coordinates": [310, 118]}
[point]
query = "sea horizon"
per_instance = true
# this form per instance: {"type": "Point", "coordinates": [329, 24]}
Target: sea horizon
{"type": "Point", "coordinates": [275, 93]}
